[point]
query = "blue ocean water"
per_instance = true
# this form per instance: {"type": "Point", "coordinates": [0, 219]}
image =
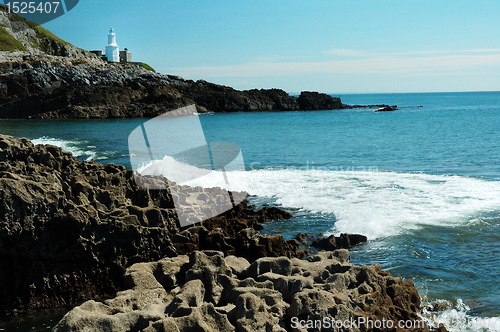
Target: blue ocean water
{"type": "Point", "coordinates": [423, 182]}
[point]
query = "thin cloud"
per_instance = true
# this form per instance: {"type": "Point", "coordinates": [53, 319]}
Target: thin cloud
{"type": "Point", "coordinates": [404, 63]}
{"type": "Point", "coordinates": [360, 53]}
{"type": "Point", "coordinates": [349, 53]}
{"type": "Point", "coordinates": [278, 58]}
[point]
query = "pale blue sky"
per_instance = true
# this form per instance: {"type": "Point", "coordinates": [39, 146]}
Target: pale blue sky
{"type": "Point", "coordinates": [333, 46]}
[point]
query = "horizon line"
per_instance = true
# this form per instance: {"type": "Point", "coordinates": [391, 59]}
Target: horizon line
{"type": "Point", "coordinates": [374, 93]}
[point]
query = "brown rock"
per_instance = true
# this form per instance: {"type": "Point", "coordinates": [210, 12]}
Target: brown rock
{"type": "Point", "coordinates": [344, 241]}
{"type": "Point", "coordinates": [270, 213]}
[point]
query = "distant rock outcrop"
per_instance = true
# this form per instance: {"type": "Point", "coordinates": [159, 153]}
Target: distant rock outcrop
{"type": "Point", "coordinates": [318, 101]}
{"type": "Point", "coordinates": [76, 89]}
{"type": "Point", "coordinates": [387, 108]}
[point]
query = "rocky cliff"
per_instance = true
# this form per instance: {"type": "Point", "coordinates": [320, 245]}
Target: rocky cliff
{"type": "Point", "coordinates": [55, 88]}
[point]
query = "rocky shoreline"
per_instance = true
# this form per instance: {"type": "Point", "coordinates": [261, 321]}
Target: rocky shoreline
{"type": "Point", "coordinates": [55, 87]}
{"type": "Point", "coordinates": [75, 231]}
{"type": "Point", "coordinates": [50, 87]}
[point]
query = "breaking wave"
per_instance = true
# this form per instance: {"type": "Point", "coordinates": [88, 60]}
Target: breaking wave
{"type": "Point", "coordinates": [79, 149]}
{"type": "Point", "coordinates": [377, 204]}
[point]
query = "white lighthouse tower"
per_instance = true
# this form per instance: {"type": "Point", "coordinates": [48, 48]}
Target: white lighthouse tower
{"type": "Point", "coordinates": [112, 49]}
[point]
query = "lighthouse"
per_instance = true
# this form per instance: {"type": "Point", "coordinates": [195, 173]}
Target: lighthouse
{"type": "Point", "coordinates": [112, 49]}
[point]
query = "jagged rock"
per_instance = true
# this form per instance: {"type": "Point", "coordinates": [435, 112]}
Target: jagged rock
{"type": "Point", "coordinates": [286, 285]}
{"type": "Point", "coordinates": [237, 264]}
{"type": "Point", "coordinates": [278, 265]}
{"type": "Point", "coordinates": [204, 318]}
{"type": "Point", "coordinates": [313, 304]}
{"type": "Point", "coordinates": [207, 267]}
{"type": "Point", "coordinates": [192, 294]}
{"type": "Point", "coordinates": [168, 270]}
{"type": "Point", "coordinates": [237, 239]}
{"type": "Point", "coordinates": [344, 241]}
{"type": "Point", "coordinates": [256, 310]}
{"type": "Point", "coordinates": [262, 301]}
{"type": "Point", "coordinates": [256, 245]}
{"type": "Point", "coordinates": [269, 213]}
{"type": "Point", "coordinates": [95, 316]}
{"type": "Point", "coordinates": [341, 255]}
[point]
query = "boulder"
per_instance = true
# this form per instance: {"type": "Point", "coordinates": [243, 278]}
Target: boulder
{"type": "Point", "coordinates": [237, 264]}
{"type": "Point", "coordinates": [344, 241]}
{"type": "Point", "coordinates": [271, 213]}
{"type": "Point", "coordinates": [278, 265]}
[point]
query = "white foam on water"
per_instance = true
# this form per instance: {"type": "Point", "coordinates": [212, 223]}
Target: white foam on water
{"type": "Point", "coordinates": [173, 170]}
{"type": "Point", "coordinates": [376, 204]}
{"type": "Point", "coordinates": [185, 174]}
{"type": "Point", "coordinates": [67, 145]}
{"type": "Point", "coordinates": [456, 319]}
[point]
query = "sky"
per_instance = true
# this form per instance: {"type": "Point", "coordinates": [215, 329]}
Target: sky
{"type": "Point", "coordinates": [331, 46]}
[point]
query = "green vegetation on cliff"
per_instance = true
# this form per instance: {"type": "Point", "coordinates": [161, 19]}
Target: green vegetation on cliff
{"type": "Point", "coordinates": [20, 34]}
{"type": "Point", "coordinates": [148, 67]}
{"type": "Point", "coordinates": [8, 42]}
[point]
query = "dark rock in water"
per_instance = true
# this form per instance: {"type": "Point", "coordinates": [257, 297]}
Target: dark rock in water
{"type": "Point", "coordinates": [208, 291]}
{"type": "Point", "coordinates": [387, 109]}
{"type": "Point", "coordinates": [369, 106]}
{"type": "Point", "coordinates": [344, 241]}
{"type": "Point", "coordinates": [56, 89]}
{"type": "Point", "coordinates": [269, 213]}
{"type": "Point", "coordinates": [68, 229]}
{"type": "Point", "coordinates": [318, 101]}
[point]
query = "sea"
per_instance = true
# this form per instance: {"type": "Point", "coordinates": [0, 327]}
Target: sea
{"type": "Point", "coordinates": [422, 182]}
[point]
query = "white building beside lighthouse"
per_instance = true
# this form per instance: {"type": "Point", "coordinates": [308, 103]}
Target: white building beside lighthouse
{"type": "Point", "coordinates": [112, 49]}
